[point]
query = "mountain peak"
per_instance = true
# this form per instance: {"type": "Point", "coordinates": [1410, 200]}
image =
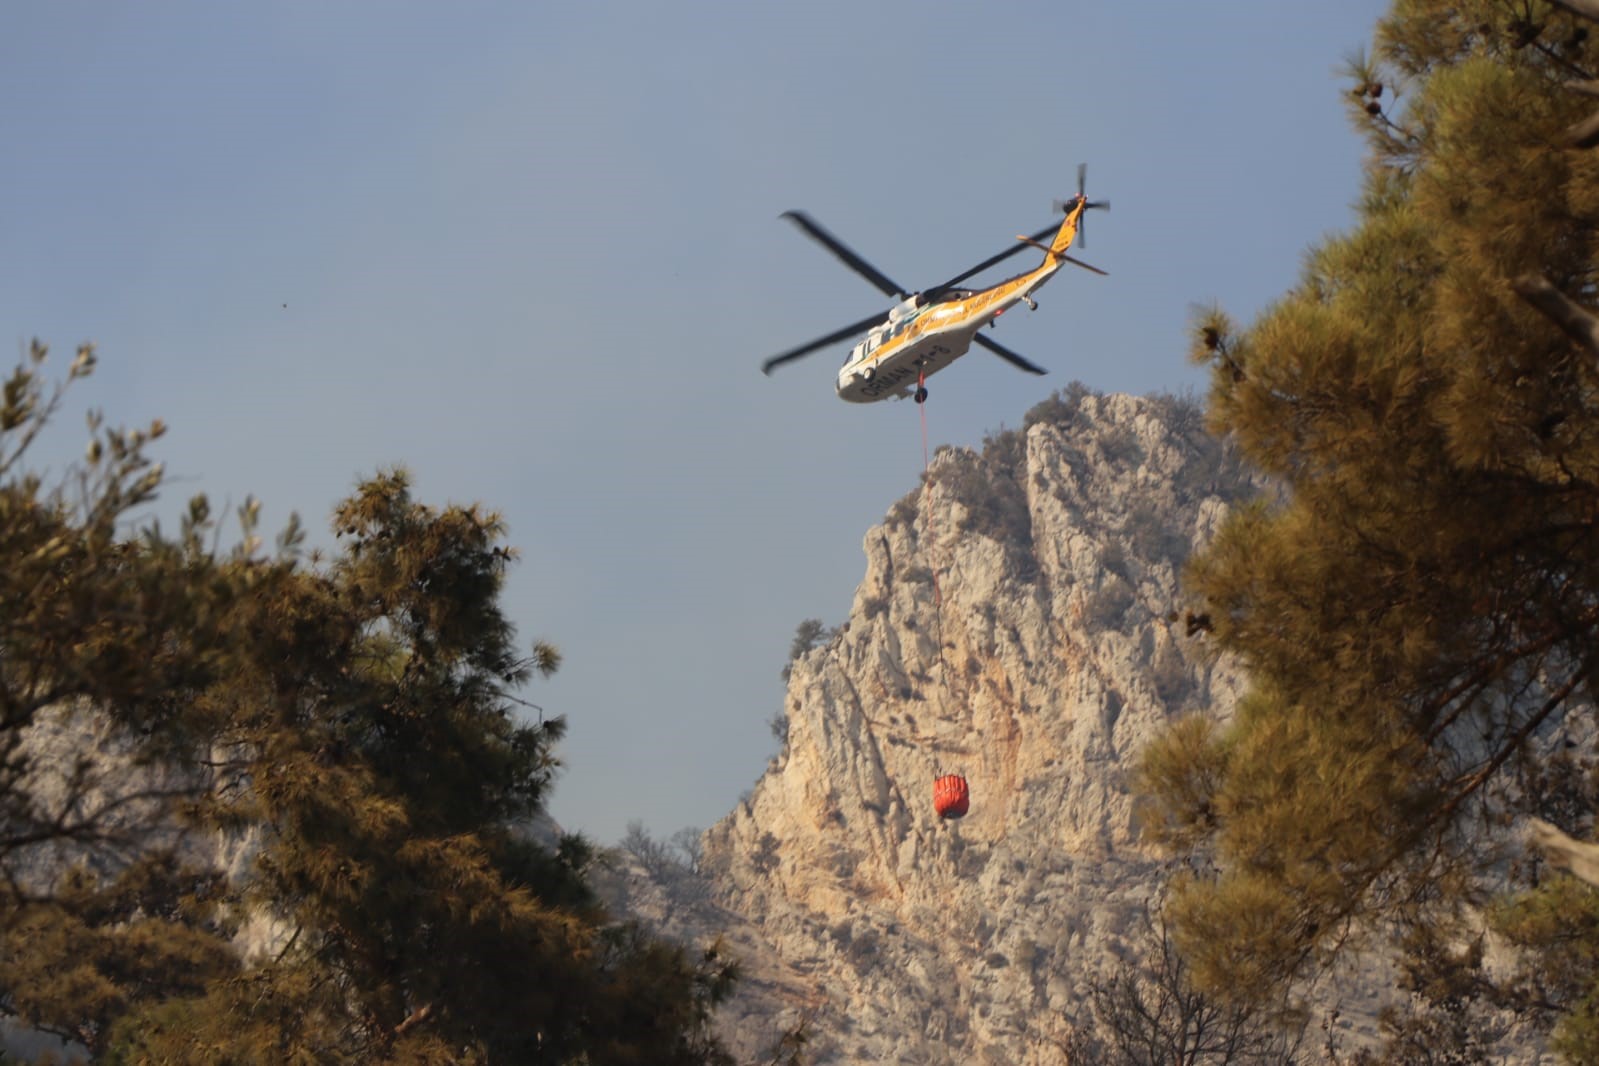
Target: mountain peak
{"type": "Point", "coordinates": [1016, 624]}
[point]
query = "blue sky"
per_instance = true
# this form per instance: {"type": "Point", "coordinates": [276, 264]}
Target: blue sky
{"type": "Point", "coordinates": [532, 252]}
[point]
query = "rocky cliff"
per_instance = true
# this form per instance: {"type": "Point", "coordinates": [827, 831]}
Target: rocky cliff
{"type": "Point", "coordinates": [1020, 623]}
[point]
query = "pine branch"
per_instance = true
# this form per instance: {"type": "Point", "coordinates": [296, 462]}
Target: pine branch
{"type": "Point", "coordinates": [1574, 320]}
{"type": "Point", "coordinates": [1584, 134]}
{"type": "Point", "coordinates": [415, 1018]}
{"type": "Point", "coordinates": [1465, 787]}
{"type": "Point", "coordinates": [1588, 9]}
{"type": "Point", "coordinates": [1464, 693]}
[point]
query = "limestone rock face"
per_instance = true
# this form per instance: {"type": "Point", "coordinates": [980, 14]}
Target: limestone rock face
{"type": "Point", "coordinates": [1020, 623]}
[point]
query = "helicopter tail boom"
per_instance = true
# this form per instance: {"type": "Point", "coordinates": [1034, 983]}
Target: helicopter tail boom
{"type": "Point", "coordinates": [1067, 232]}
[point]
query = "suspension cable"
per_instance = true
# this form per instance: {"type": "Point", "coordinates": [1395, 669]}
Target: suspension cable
{"type": "Point", "coordinates": [927, 496]}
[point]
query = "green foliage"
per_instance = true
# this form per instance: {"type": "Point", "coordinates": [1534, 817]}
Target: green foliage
{"type": "Point", "coordinates": [1151, 538]}
{"type": "Point", "coordinates": [1186, 768]}
{"type": "Point", "coordinates": [1171, 674]}
{"type": "Point", "coordinates": [88, 617]}
{"type": "Point", "coordinates": [1448, 1019]}
{"type": "Point", "coordinates": [1424, 599]}
{"type": "Point", "coordinates": [96, 913]}
{"type": "Point", "coordinates": [1060, 409]}
{"type": "Point", "coordinates": [358, 717]}
{"type": "Point", "coordinates": [392, 767]}
{"type": "Point", "coordinates": [765, 858]}
{"type": "Point", "coordinates": [1108, 605]}
{"type": "Point", "coordinates": [989, 487]}
{"type": "Point", "coordinates": [75, 963]}
{"type": "Point", "coordinates": [807, 635]}
{"type": "Point", "coordinates": [1559, 923]}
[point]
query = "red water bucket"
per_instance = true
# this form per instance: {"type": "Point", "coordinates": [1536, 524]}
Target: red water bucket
{"type": "Point", "coordinates": [950, 796]}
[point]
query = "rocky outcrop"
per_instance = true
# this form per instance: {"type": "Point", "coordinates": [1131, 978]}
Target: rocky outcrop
{"type": "Point", "coordinates": [1019, 622]}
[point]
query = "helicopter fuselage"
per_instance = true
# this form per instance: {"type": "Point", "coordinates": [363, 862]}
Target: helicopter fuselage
{"type": "Point", "coordinates": [917, 341]}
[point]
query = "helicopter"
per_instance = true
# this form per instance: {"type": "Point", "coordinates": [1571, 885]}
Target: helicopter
{"type": "Point", "coordinates": [928, 330]}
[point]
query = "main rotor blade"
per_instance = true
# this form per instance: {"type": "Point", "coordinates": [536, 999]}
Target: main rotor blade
{"type": "Point", "coordinates": [850, 330]}
{"type": "Point", "coordinates": [1009, 356]}
{"type": "Point", "coordinates": [813, 229]}
{"type": "Point", "coordinates": [938, 290]}
{"type": "Point", "coordinates": [1085, 266]}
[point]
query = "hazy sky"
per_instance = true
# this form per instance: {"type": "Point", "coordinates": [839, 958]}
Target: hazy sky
{"type": "Point", "coordinates": [532, 252]}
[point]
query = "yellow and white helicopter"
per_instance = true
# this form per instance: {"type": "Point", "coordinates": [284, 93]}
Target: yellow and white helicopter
{"type": "Point", "coordinates": [928, 330]}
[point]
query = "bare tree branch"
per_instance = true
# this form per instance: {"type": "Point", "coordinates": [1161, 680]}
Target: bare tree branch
{"type": "Point", "coordinates": [1576, 856]}
{"type": "Point", "coordinates": [1588, 9]}
{"type": "Point", "coordinates": [415, 1018]}
{"type": "Point", "coordinates": [1150, 1015]}
{"type": "Point", "coordinates": [1584, 134]}
{"type": "Point", "coordinates": [1576, 321]}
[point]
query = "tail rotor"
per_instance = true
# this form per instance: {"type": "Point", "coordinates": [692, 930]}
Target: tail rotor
{"type": "Point", "coordinates": [1063, 206]}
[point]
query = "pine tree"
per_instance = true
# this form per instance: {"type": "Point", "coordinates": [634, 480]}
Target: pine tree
{"type": "Point", "coordinates": [355, 720]}
{"type": "Point", "coordinates": [99, 911]}
{"type": "Point", "coordinates": [388, 768]}
{"type": "Point", "coordinates": [380, 745]}
{"type": "Point", "coordinates": [1420, 603]}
